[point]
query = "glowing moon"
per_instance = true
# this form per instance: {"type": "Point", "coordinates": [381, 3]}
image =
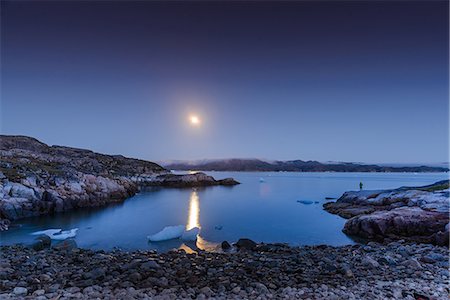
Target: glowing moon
{"type": "Point", "coordinates": [194, 120]}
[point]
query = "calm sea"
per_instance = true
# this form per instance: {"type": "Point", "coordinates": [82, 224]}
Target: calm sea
{"type": "Point", "coordinates": [263, 208]}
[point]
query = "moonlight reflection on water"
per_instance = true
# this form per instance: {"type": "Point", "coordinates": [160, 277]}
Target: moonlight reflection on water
{"type": "Point", "coordinates": [194, 221]}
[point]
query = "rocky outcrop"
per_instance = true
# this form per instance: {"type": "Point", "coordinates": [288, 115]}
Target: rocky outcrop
{"type": "Point", "coordinates": [413, 213]}
{"type": "Point", "coordinates": [190, 180]}
{"type": "Point", "coordinates": [37, 179]}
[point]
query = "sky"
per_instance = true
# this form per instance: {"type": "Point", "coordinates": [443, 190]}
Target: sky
{"type": "Point", "coordinates": [361, 81]}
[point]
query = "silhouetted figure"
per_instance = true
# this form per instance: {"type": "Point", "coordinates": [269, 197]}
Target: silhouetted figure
{"type": "Point", "coordinates": [360, 185]}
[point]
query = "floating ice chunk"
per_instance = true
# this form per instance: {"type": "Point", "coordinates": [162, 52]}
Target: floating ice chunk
{"type": "Point", "coordinates": [305, 201]}
{"type": "Point", "coordinates": [168, 233]}
{"type": "Point", "coordinates": [64, 234]}
{"type": "Point", "coordinates": [58, 234]}
{"type": "Point", "coordinates": [191, 234]}
{"type": "Point", "coordinates": [47, 232]}
{"type": "Point", "coordinates": [261, 180]}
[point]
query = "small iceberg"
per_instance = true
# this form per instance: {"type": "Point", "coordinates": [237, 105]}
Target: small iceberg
{"type": "Point", "coordinates": [168, 233]}
{"type": "Point", "coordinates": [261, 180]}
{"type": "Point", "coordinates": [191, 234]}
{"type": "Point", "coordinates": [175, 232]}
{"type": "Point", "coordinates": [64, 234]}
{"type": "Point", "coordinates": [47, 232]}
{"type": "Point", "coordinates": [305, 201]}
{"type": "Point", "coordinates": [58, 234]}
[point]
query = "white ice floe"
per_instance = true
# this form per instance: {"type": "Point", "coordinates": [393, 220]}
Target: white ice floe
{"type": "Point", "coordinates": [175, 232]}
{"type": "Point", "coordinates": [58, 234]}
{"type": "Point", "coordinates": [47, 232]}
{"type": "Point", "coordinates": [168, 233]}
{"type": "Point", "coordinates": [64, 234]}
{"type": "Point", "coordinates": [191, 234]}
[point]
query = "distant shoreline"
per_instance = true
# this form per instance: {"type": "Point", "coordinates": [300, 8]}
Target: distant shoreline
{"type": "Point", "coordinates": [259, 171]}
{"type": "Point", "coordinates": [257, 165]}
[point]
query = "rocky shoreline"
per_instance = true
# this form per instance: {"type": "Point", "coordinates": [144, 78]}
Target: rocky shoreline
{"type": "Point", "coordinates": [37, 179]}
{"type": "Point", "coordinates": [419, 214]}
{"type": "Point", "coordinates": [375, 271]}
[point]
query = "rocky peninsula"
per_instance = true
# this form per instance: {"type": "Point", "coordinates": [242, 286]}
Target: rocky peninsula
{"type": "Point", "coordinates": [419, 214]}
{"type": "Point", "coordinates": [396, 270]}
{"type": "Point", "coordinates": [37, 179]}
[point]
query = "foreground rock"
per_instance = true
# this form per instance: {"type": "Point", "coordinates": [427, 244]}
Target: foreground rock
{"type": "Point", "coordinates": [413, 213]}
{"type": "Point", "coordinates": [374, 271]}
{"type": "Point", "coordinates": [37, 179]}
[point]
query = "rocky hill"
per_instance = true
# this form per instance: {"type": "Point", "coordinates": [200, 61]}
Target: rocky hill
{"type": "Point", "coordinates": [38, 179]}
{"type": "Point", "coordinates": [418, 214]}
{"type": "Point", "coordinates": [291, 166]}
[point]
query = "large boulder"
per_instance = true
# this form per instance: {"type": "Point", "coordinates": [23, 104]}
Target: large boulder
{"type": "Point", "coordinates": [40, 243]}
{"type": "Point", "coordinates": [20, 191]}
{"type": "Point", "coordinates": [246, 244]}
{"type": "Point", "coordinates": [66, 245]}
{"type": "Point", "coordinates": [405, 222]}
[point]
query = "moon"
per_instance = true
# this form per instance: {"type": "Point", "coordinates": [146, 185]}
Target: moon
{"type": "Point", "coordinates": [195, 120]}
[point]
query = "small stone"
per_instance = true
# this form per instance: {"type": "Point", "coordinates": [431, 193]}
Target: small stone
{"type": "Point", "coordinates": [150, 265]}
{"type": "Point", "coordinates": [370, 262]}
{"type": "Point", "coordinates": [135, 277]}
{"type": "Point", "coordinates": [53, 288]}
{"type": "Point", "coordinates": [96, 274]}
{"type": "Point", "coordinates": [45, 278]}
{"type": "Point", "coordinates": [412, 263]}
{"type": "Point", "coordinates": [88, 290]}
{"type": "Point", "coordinates": [347, 271]}
{"type": "Point", "coordinates": [388, 260]}
{"type": "Point", "coordinates": [38, 292]}
{"type": "Point", "coordinates": [73, 290]}
{"type": "Point", "coordinates": [20, 291]}
{"type": "Point", "coordinates": [46, 241]}
{"type": "Point", "coordinates": [225, 245]}
{"type": "Point", "coordinates": [206, 291]}
{"type": "Point", "coordinates": [261, 288]}
{"type": "Point", "coordinates": [37, 245]}
{"type": "Point", "coordinates": [246, 244]}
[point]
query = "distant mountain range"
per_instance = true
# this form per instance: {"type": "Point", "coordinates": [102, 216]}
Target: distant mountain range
{"type": "Point", "coordinates": [291, 166]}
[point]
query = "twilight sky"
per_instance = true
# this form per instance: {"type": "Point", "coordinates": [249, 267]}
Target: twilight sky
{"type": "Point", "coordinates": [362, 81]}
